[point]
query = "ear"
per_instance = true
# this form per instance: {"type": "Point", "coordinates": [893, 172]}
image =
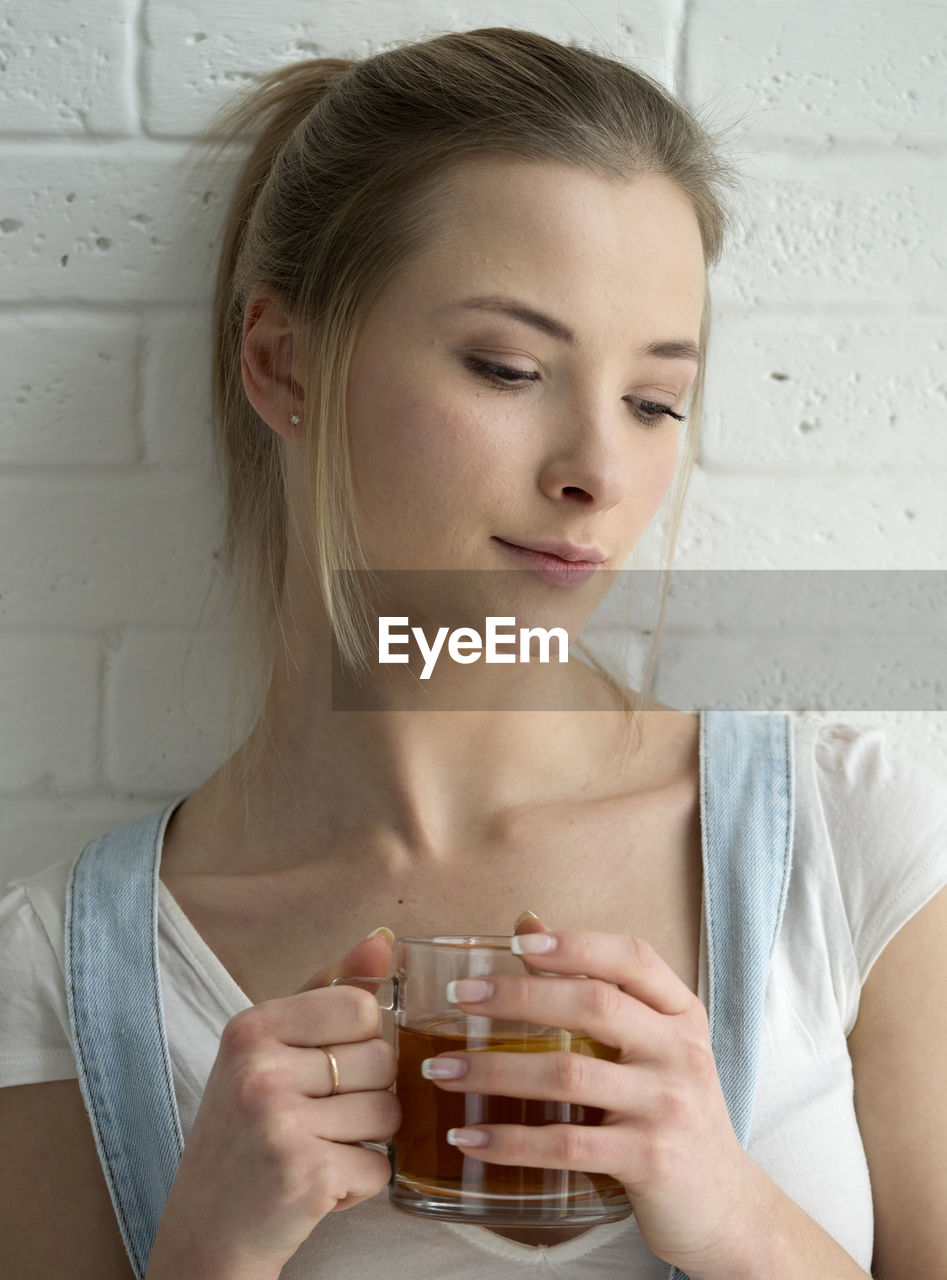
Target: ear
{"type": "Point", "coordinates": [267, 361]}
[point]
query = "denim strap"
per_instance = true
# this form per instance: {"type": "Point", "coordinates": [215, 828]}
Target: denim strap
{"type": "Point", "coordinates": [113, 991]}
{"type": "Point", "coordinates": [747, 783]}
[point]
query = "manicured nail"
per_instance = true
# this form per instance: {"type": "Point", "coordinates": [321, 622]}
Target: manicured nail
{"type": "Point", "coordinates": [532, 944]}
{"type": "Point", "coordinates": [467, 1137]}
{"type": "Point", "coordinates": [443, 1068]}
{"type": "Point", "coordinates": [382, 932]}
{"type": "Point", "coordinates": [523, 917]}
{"type": "Point", "coordinates": [469, 990]}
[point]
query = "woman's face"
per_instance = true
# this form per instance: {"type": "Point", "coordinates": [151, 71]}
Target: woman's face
{"type": "Point", "coordinates": [469, 425]}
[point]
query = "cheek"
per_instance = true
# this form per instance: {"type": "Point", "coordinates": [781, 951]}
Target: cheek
{"type": "Point", "coordinates": [667, 459]}
{"type": "Point", "coordinates": [402, 435]}
{"type": "Point", "coordinates": [655, 476]}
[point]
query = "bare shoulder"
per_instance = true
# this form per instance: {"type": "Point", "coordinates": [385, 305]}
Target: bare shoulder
{"type": "Point", "coordinates": [898, 1048]}
{"type": "Point", "coordinates": [56, 1217]}
{"type": "Point", "coordinates": [670, 750]}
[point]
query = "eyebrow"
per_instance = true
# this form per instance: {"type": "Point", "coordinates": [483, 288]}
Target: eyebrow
{"type": "Point", "coordinates": [670, 349]}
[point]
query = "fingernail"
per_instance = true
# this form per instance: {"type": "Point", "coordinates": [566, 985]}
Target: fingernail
{"type": "Point", "coordinates": [523, 917]}
{"type": "Point", "coordinates": [533, 943]}
{"type": "Point", "coordinates": [467, 1137]}
{"type": "Point", "coordinates": [443, 1068]}
{"type": "Point", "coordinates": [469, 990]}
{"type": "Point", "coordinates": [382, 932]}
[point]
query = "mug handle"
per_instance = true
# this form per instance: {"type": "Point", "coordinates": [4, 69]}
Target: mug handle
{"type": "Point", "coordinates": [385, 990]}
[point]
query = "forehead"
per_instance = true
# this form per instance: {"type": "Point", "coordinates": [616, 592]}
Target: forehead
{"type": "Point", "coordinates": [598, 247]}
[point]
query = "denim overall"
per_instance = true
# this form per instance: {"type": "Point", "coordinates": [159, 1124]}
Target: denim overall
{"type": "Point", "coordinates": [114, 990]}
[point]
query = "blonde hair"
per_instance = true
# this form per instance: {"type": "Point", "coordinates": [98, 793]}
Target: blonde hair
{"type": "Point", "coordinates": [339, 187]}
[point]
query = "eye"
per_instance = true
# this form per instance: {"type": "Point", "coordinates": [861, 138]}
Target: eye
{"type": "Point", "coordinates": [503, 378]}
{"type": "Point", "coordinates": [651, 413]}
{"type": "Point", "coordinates": [492, 373]}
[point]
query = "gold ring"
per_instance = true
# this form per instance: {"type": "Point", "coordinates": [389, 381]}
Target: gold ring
{"type": "Point", "coordinates": [334, 1068]}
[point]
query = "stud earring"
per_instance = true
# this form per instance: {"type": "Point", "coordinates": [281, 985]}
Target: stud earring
{"type": "Point", "coordinates": [294, 419]}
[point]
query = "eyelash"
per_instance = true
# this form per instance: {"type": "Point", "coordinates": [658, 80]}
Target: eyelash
{"type": "Point", "coordinates": [489, 371]}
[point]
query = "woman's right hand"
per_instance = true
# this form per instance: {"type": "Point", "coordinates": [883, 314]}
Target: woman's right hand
{"type": "Point", "coordinates": [270, 1153]}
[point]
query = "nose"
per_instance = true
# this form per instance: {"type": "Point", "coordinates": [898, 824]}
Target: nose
{"type": "Point", "coordinates": [591, 459]}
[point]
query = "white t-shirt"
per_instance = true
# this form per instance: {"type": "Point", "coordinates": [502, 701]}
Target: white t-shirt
{"type": "Point", "coordinates": [870, 850]}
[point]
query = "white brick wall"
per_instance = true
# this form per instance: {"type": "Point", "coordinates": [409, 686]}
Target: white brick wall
{"type": "Point", "coordinates": [825, 442]}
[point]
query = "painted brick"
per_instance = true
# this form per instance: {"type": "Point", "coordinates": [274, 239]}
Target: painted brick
{"type": "Point", "coordinates": [67, 72]}
{"type": "Point", "coordinates": [838, 232]}
{"type": "Point", "coordinates": [195, 61]}
{"type": "Point", "coordinates": [832, 393]}
{"type": "Point", "coordinates": [176, 406]}
{"type": "Point", "coordinates": [166, 701]}
{"type": "Point", "coordinates": [820, 605]}
{"type": "Point", "coordinates": [69, 381]}
{"type": "Point", "coordinates": [822, 74]}
{"type": "Point", "coordinates": [811, 522]}
{"type": "Point", "coordinates": [110, 552]}
{"type": "Point", "coordinates": [49, 706]}
{"type": "Point", "coordinates": [129, 223]}
{"type": "Point", "coordinates": [865, 672]}
{"type": "Point", "coordinates": [40, 828]}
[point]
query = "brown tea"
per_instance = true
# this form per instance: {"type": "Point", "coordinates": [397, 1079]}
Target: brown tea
{"type": "Point", "coordinates": [428, 1166]}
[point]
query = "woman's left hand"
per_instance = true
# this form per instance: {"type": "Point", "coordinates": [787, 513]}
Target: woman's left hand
{"type": "Point", "coordinates": [666, 1133]}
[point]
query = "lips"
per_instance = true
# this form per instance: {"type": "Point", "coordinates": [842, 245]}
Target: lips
{"type": "Point", "coordinates": [569, 552]}
{"type": "Point", "coordinates": [552, 569]}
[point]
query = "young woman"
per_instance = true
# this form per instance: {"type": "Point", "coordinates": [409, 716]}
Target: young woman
{"type": "Point", "coordinates": [462, 309]}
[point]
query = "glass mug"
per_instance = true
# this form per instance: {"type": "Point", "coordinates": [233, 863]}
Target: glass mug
{"type": "Point", "coordinates": [430, 1177]}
